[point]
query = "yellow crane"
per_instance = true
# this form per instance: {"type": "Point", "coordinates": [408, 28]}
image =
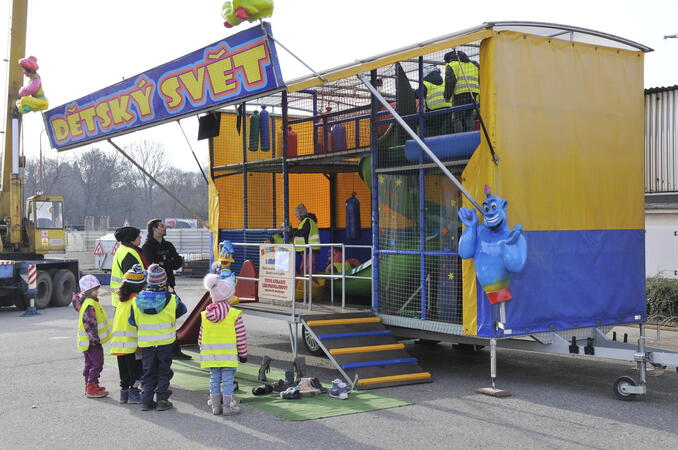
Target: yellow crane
{"type": "Point", "coordinates": [24, 240]}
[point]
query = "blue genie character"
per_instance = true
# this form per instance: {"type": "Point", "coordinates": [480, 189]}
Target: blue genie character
{"type": "Point", "coordinates": [497, 251]}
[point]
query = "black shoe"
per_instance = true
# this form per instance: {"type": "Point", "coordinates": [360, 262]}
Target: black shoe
{"type": "Point", "coordinates": [264, 369]}
{"type": "Point", "coordinates": [149, 406]}
{"type": "Point", "coordinates": [179, 355]}
{"type": "Point", "coordinates": [164, 405]}
{"type": "Point", "coordinates": [281, 385]}
{"type": "Point", "coordinates": [316, 384]}
{"type": "Point", "coordinates": [262, 390]}
{"type": "Point", "coordinates": [299, 366]}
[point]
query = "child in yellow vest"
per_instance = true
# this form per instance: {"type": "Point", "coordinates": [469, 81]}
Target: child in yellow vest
{"type": "Point", "coordinates": [223, 342]}
{"type": "Point", "coordinates": [93, 331]}
{"type": "Point", "coordinates": [124, 341]}
{"type": "Point", "coordinates": [154, 313]}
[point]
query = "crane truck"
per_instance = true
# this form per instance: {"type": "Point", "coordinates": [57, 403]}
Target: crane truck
{"type": "Point", "coordinates": [28, 234]}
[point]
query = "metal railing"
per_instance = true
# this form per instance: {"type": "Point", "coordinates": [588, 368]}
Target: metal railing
{"type": "Point", "coordinates": [307, 277]}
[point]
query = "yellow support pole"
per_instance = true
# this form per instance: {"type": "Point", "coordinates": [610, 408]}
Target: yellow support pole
{"type": "Point", "coordinates": [366, 349]}
{"type": "Point", "coordinates": [322, 323]}
{"type": "Point", "coordinates": [394, 378]}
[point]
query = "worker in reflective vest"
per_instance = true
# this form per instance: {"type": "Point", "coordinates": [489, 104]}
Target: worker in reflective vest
{"type": "Point", "coordinates": [124, 340]}
{"type": "Point", "coordinates": [223, 342]}
{"type": "Point", "coordinates": [128, 254]}
{"type": "Point", "coordinates": [93, 331]}
{"type": "Point", "coordinates": [154, 313]}
{"type": "Point", "coordinates": [462, 86]}
{"type": "Point", "coordinates": [434, 96]}
{"type": "Point", "coordinates": [307, 233]}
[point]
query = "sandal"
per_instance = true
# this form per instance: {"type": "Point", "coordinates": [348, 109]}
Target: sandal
{"type": "Point", "coordinates": [262, 390]}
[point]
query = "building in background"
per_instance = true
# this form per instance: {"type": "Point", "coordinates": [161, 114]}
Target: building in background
{"type": "Point", "coordinates": [661, 181]}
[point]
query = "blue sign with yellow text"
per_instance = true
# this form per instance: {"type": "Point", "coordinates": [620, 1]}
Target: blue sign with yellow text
{"type": "Point", "coordinates": [229, 71]}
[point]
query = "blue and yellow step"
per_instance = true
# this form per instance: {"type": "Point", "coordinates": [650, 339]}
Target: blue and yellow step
{"type": "Point", "coordinates": [359, 344]}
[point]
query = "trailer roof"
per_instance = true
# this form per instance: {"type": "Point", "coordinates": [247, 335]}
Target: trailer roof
{"type": "Point", "coordinates": [556, 31]}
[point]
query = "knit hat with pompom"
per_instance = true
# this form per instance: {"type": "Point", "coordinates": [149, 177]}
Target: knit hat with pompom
{"type": "Point", "coordinates": [219, 289]}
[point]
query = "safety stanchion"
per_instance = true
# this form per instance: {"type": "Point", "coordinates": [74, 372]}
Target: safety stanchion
{"type": "Point", "coordinates": [32, 291]}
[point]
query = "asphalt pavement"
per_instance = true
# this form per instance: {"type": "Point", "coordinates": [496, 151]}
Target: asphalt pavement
{"type": "Point", "coordinates": [557, 402]}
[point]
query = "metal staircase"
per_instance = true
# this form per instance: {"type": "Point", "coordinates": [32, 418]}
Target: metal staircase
{"type": "Point", "coordinates": [363, 350]}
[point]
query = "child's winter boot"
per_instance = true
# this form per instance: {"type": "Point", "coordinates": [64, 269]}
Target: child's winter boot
{"type": "Point", "coordinates": [96, 391]}
{"type": "Point", "coordinates": [215, 401]}
{"type": "Point", "coordinates": [124, 396]}
{"type": "Point", "coordinates": [134, 396]}
{"type": "Point", "coordinates": [231, 407]}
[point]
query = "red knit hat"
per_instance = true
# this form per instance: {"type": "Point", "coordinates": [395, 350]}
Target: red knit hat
{"type": "Point", "coordinates": [30, 63]}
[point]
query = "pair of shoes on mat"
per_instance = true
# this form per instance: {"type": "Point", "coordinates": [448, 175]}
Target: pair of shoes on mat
{"type": "Point", "coordinates": [291, 393]}
{"type": "Point", "coordinates": [282, 385]}
{"type": "Point", "coordinates": [264, 389]}
{"type": "Point", "coordinates": [339, 390]}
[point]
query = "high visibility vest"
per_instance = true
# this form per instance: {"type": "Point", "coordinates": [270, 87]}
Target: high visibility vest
{"type": "Point", "coordinates": [156, 329]}
{"type": "Point", "coordinates": [218, 347]}
{"type": "Point", "coordinates": [435, 98]}
{"type": "Point", "coordinates": [313, 235]}
{"type": "Point", "coordinates": [103, 327]}
{"type": "Point", "coordinates": [278, 238]}
{"type": "Point", "coordinates": [338, 266]}
{"type": "Point", "coordinates": [116, 270]}
{"type": "Point", "coordinates": [467, 79]}
{"type": "Point", "coordinates": [124, 335]}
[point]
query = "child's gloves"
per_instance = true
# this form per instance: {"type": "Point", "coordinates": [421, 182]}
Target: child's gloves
{"type": "Point", "coordinates": [242, 359]}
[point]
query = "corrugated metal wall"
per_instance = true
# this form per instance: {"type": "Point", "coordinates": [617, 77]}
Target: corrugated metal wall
{"type": "Point", "coordinates": [661, 140]}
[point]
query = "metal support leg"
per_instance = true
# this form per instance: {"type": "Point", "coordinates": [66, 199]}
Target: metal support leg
{"type": "Point", "coordinates": [493, 391]}
{"type": "Point", "coordinates": [294, 335]}
{"type": "Point", "coordinates": [642, 356]}
{"type": "Point", "coordinates": [493, 362]}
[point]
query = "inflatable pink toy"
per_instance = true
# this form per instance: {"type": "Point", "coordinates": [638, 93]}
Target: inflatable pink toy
{"type": "Point", "coordinates": [235, 12]}
{"type": "Point", "coordinates": [32, 96]}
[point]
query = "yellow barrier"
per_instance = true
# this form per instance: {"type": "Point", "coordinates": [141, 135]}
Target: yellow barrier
{"type": "Point", "coordinates": [322, 323]}
{"type": "Point", "coordinates": [366, 349]}
{"type": "Point", "coordinates": [394, 378]}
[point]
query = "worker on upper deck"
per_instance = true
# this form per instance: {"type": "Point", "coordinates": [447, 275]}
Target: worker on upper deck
{"type": "Point", "coordinates": [307, 233]}
{"type": "Point", "coordinates": [434, 99]}
{"type": "Point", "coordinates": [462, 87]}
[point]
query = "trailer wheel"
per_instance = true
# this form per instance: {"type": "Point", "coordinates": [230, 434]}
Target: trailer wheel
{"type": "Point", "coordinates": [64, 286]}
{"type": "Point", "coordinates": [44, 285]}
{"type": "Point", "coordinates": [619, 385]}
{"type": "Point", "coordinates": [310, 343]}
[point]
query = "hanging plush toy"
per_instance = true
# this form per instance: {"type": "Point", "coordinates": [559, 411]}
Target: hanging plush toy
{"type": "Point", "coordinates": [222, 267]}
{"type": "Point", "coordinates": [497, 251]}
{"type": "Point", "coordinates": [32, 96]}
{"type": "Point", "coordinates": [235, 12]}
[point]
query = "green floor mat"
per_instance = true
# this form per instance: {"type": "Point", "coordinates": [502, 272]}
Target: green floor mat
{"type": "Point", "coordinates": [189, 375]}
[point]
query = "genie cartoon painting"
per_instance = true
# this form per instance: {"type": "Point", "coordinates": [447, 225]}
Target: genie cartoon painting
{"type": "Point", "coordinates": [497, 251]}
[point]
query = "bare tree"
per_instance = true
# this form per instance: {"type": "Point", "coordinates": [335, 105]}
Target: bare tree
{"type": "Point", "coordinates": [151, 156]}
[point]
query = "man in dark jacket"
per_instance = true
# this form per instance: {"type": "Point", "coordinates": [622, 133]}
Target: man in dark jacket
{"type": "Point", "coordinates": [162, 252]}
